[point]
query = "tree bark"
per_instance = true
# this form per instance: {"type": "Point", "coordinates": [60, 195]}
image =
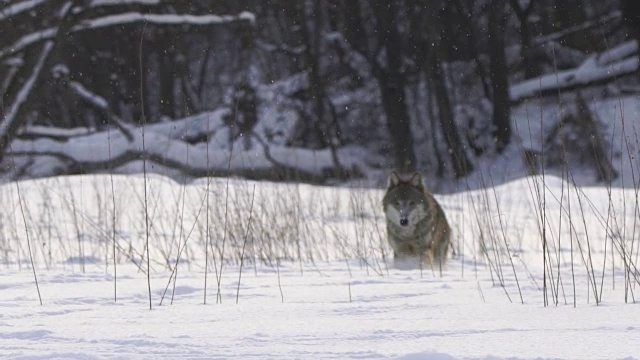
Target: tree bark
{"type": "Point", "coordinates": [499, 81]}
{"type": "Point", "coordinates": [393, 102]}
{"type": "Point", "coordinates": [166, 76]}
{"type": "Point", "coordinates": [461, 164]}
{"type": "Point", "coordinates": [631, 16]}
{"type": "Point", "coordinates": [470, 30]}
{"type": "Point", "coordinates": [311, 37]}
{"type": "Point", "coordinates": [353, 27]}
{"type": "Point", "coordinates": [530, 65]}
{"type": "Point", "coordinates": [392, 82]}
{"type": "Point", "coordinates": [436, 49]}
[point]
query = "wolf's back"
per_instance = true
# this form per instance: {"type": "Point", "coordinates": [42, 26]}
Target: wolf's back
{"type": "Point", "coordinates": [439, 231]}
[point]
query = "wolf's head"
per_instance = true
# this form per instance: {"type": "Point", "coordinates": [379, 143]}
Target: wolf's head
{"type": "Point", "coordinates": [405, 201]}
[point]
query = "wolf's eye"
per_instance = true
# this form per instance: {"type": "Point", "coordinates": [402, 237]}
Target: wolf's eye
{"type": "Point", "coordinates": [412, 203]}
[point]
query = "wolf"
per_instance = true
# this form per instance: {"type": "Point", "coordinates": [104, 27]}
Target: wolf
{"type": "Point", "coordinates": [416, 224]}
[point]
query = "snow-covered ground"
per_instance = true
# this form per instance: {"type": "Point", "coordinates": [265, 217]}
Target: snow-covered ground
{"type": "Point", "coordinates": [302, 272]}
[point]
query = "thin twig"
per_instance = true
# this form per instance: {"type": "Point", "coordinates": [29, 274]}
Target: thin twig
{"type": "Point", "coordinates": [26, 231]}
{"type": "Point", "coordinates": [244, 244]}
{"type": "Point", "coordinates": [144, 167]}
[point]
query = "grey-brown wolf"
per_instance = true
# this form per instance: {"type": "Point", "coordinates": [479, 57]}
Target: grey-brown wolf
{"type": "Point", "coordinates": [416, 224]}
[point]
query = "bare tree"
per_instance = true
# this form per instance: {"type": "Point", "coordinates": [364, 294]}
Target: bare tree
{"type": "Point", "coordinates": [40, 48]}
{"type": "Point", "coordinates": [631, 15]}
{"type": "Point", "coordinates": [35, 61]}
{"type": "Point", "coordinates": [523, 10]}
{"type": "Point", "coordinates": [311, 31]}
{"type": "Point", "coordinates": [433, 19]}
{"type": "Point", "coordinates": [499, 74]}
{"type": "Point", "coordinates": [391, 78]}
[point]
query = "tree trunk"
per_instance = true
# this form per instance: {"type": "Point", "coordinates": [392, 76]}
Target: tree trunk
{"type": "Point", "coordinates": [499, 73]}
{"type": "Point", "coordinates": [392, 84]}
{"type": "Point", "coordinates": [353, 27]}
{"type": "Point", "coordinates": [531, 67]}
{"type": "Point", "coordinates": [469, 28]}
{"type": "Point", "coordinates": [435, 51]}
{"type": "Point", "coordinates": [166, 78]}
{"type": "Point", "coordinates": [631, 16]}
{"type": "Point", "coordinates": [311, 37]}
{"type": "Point", "coordinates": [461, 164]}
{"type": "Point", "coordinates": [393, 102]}
{"type": "Point", "coordinates": [431, 108]}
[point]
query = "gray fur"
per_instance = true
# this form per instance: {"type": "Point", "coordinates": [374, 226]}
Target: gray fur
{"type": "Point", "coordinates": [416, 224]}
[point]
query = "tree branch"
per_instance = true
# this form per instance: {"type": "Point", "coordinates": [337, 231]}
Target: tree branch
{"type": "Point", "coordinates": [123, 19]}
{"type": "Point", "coordinates": [18, 8]}
{"type": "Point", "coordinates": [102, 104]}
{"type": "Point", "coordinates": [574, 29]}
{"type": "Point", "coordinates": [595, 70]}
{"type": "Point", "coordinates": [10, 119]}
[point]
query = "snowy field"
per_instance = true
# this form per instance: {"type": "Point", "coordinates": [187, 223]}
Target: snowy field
{"type": "Point", "coordinates": [250, 270]}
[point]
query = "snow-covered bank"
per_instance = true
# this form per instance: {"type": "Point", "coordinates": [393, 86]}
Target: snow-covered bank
{"type": "Point", "coordinates": [304, 273]}
{"type": "Point", "coordinates": [325, 313]}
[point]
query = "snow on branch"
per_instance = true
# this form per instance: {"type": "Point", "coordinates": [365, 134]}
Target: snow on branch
{"type": "Point", "coordinates": [102, 104]}
{"type": "Point", "coordinates": [59, 134]}
{"type": "Point", "coordinates": [127, 18]}
{"type": "Point", "coordinates": [619, 52]}
{"type": "Point", "coordinates": [28, 40]}
{"type": "Point", "coordinates": [163, 19]}
{"type": "Point", "coordinates": [596, 69]}
{"type": "Point", "coordinates": [89, 96]}
{"type": "Point", "coordinates": [170, 146]}
{"type": "Point", "coordinates": [577, 28]}
{"type": "Point", "coordinates": [15, 9]}
{"type": "Point", "coordinates": [97, 3]}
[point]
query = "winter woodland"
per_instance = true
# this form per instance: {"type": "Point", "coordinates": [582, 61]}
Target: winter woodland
{"type": "Point", "coordinates": [222, 163]}
{"type": "Point", "coordinates": [311, 91]}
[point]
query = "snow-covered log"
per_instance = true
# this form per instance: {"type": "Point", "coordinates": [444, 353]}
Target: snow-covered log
{"type": "Point", "coordinates": [167, 146]}
{"type": "Point", "coordinates": [596, 69]}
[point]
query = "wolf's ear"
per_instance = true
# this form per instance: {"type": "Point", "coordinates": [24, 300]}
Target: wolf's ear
{"type": "Point", "coordinates": [416, 181]}
{"type": "Point", "coordinates": [394, 180]}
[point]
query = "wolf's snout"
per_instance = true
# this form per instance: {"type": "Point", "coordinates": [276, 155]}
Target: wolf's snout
{"type": "Point", "coordinates": [404, 221]}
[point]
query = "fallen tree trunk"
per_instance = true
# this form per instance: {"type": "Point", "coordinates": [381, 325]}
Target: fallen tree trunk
{"type": "Point", "coordinates": [595, 70]}
{"type": "Point", "coordinates": [48, 152]}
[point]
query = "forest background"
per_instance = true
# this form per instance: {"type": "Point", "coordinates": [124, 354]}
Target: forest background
{"type": "Point", "coordinates": [314, 91]}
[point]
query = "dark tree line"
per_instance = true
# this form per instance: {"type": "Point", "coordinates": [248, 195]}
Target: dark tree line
{"type": "Point", "coordinates": [107, 64]}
